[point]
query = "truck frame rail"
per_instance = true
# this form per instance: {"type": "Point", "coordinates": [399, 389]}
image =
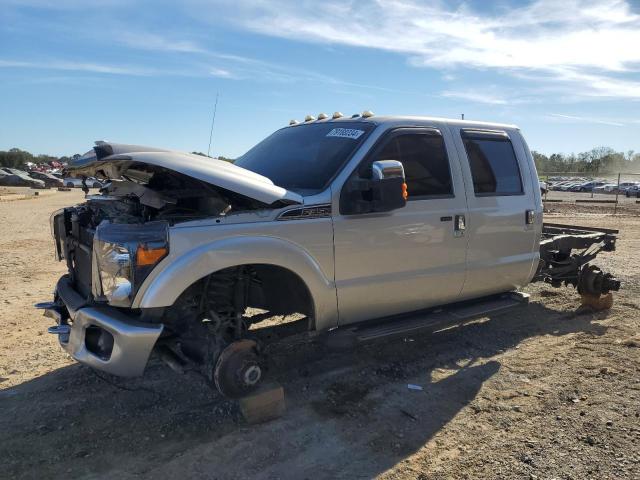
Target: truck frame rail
{"type": "Point", "coordinates": [565, 253]}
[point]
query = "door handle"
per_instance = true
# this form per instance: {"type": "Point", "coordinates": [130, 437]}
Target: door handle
{"type": "Point", "coordinates": [459, 226]}
{"type": "Point", "coordinates": [529, 217]}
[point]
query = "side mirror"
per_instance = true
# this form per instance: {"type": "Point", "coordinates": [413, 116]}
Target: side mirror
{"type": "Point", "coordinates": [385, 191]}
{"type": "Point", "coordinates": [387, 169]}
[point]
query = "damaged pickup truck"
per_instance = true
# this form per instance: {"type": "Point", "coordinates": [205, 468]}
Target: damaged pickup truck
{"type": "Point", "coordinates": [365, 227]}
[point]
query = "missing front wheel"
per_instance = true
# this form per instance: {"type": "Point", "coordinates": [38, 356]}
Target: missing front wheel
{"type": "Point", "coordinates": [239, 369]}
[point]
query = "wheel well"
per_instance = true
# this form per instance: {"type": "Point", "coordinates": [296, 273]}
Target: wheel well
{"type": "Point", "coordinates": [283, 291]}
{"type": "Point", "coordinates": [273, 288]}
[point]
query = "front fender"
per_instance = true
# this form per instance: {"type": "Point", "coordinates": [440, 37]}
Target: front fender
{"type": "Point", "coordinates": [174, 275]}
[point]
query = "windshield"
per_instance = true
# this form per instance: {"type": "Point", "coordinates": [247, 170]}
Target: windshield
{"type": "Point", "coordinates": [305, 158]}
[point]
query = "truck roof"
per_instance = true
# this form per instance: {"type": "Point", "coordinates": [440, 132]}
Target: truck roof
{"type": "Point", "coordinates": [395, 119]}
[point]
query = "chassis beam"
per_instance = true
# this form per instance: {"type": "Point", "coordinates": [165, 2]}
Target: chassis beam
{"type": "Point", "coordinates": [565, 253]}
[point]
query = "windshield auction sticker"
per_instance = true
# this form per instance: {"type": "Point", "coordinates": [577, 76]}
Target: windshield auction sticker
{"type": "Point", "coordinates": [345, 133]}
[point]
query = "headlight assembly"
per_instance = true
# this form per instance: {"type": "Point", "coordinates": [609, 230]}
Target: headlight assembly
{"type": "Point", "coordinates": [124, 255]}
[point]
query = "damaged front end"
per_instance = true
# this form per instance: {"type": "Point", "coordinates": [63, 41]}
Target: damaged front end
{"type": "Point", "coordinates": [113, 241]}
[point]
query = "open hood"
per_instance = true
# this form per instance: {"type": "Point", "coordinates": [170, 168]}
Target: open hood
{"type": "Point", "coordinates": [113, 160]}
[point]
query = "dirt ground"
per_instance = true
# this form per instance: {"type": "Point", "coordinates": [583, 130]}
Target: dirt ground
{"type": "Point", "coordinates": [546, 391]}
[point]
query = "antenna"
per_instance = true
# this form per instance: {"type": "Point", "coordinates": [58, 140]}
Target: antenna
{"type": "Point", "coordinates": [462, 115]}
{"type": "Point", "coordinates": [213, 120]}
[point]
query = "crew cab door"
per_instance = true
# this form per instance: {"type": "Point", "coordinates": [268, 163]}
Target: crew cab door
{"type": "Point", "coordinates": [503, 218]}
{"type": "Point", "coordinates": [413, 257]}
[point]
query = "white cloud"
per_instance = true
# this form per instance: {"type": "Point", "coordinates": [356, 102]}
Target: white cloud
{"type": "Point", "coordinates": [476, 96]}
{"type": "Point", "coordinates": [241, 67]}
{"type": "Point", "coordinates": [221, 72]}
{"type": "Point", "coordinates": [79, 67]}
{"type": "Point", "coordinates": [576, 118]}
{"type": "Point", "coordinates": [586, 43]}
{"type": "Point", "coordinates": [149, 41]}
{"type": "Point", "coordinates": [128, 70]}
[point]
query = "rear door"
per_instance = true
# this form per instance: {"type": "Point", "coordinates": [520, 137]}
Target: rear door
{"type": "Point", "coordinates": [502, 210]}
{"type": "Point", "coordinates": [410, 258]}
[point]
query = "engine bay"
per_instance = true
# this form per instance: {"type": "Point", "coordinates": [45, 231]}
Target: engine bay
{"type": "Point", "coordinates": [160, 194]}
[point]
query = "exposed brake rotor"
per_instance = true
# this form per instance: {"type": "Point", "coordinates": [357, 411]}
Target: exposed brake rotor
{"type": "Point", "coordinates": [593, 281]}
{"type": "Point", "coordinates": [238, 369]}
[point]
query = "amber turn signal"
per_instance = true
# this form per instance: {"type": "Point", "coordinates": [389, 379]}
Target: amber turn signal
{"type": "Point", "coordinates": [405, 192]}
{"type": "Point", "coordinates": [149, 256]}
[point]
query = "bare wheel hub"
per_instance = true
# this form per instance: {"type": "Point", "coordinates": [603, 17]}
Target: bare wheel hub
{"type": "Point", "coordinates": [252, 374]}
{"type": "Point", "coordinates": [238, 369]}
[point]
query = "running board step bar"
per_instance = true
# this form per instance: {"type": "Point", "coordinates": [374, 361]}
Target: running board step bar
{"type": "Point", "coordinates": [437, 319]}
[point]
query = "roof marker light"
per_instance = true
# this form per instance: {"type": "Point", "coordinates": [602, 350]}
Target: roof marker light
{"type": "Point", "coordinates": [337, 115]}
{"type": "Point", "coordinates": [309, 118]}
{"type": "Point", "coordinates": [293, 122]}
{"type": "Point", "coordinates": [322, 116]}
{"type": "Point", "coordinates": [367, 114]}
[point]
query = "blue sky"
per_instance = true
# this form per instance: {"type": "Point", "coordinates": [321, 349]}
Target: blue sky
{"type": "Point", "coordinates": [147, 72]}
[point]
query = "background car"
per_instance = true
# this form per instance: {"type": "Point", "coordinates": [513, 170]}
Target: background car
{"type": "Point", "coordinates": [22, 179]}
{"type": "Point", "coordinates": [9, 180]}
{"type": "Point", "coordinates": [606, 188]}
{"type": "Point", "coordinates": [633, 191]}
{"type": "Point", "coordinates": [562, 184]}
{"type": "Point", "coordinates": [543, 187]}
{"type": "Point", "coordinates": [566, 187]}
{"type": "Point", "coordinates": [589, 186]}
{"type": "Point", "coordinates": [48, 179]}
{"type": "Point", "coordinates": [73, 182]}
{"type": "Point", "coordinates": [624, 186]}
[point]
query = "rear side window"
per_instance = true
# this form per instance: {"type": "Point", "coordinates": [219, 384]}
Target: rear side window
{"type": "Point", "coordinates": [425, 162]}
{"type": "Point", "coordinates": [494, 167]}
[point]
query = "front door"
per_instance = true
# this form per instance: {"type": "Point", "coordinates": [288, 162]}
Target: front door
{"type": "Point", "coordinates": [413, 257]}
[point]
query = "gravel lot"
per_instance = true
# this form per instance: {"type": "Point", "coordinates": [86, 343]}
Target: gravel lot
{"type": "Point", "coordinates": [547, 391]}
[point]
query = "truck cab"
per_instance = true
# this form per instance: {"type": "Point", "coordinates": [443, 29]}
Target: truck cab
{"type": "Point", "coordinates": [343, 220]}
{"type": "Point", "coordinates": [469, 228]}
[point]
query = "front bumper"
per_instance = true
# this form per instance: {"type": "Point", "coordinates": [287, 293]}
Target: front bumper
{"type": "Point", "coordinates": [129, 341]}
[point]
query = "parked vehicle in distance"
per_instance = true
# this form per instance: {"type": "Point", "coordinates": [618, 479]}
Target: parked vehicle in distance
{"type": "Point", "coordinates": [562, 184]}
{"type": "Point", "coordinates": [20, 178]}
{"type": "Point", "coordinates": [589, 186]}
{"type": "Point", "coordinates": [606, 188]}
{"type": "Point", "coordinates": [48, 179]}
{"type": "Point", "coordinates": [368, 227]}
{"type": "Point", "coordinates": [633, 191]}
{"type": "Point", "coordinates": [72, 182]}
{"type": "Point", "coordinates": [611, 188]}
{"type": "Point", "coordinates": [568, 185]}
{"type": "Point", "coordinates": [624, 186]}
{"type": "Point", "coordinates": [10, 180]}
{"type": "Point", "coordinates": [543, 187]}
{"type": "Point", "coordinates": [576, 187]}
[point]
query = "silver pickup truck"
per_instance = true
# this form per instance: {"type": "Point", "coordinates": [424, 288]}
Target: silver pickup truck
{"type": "Point", "coordinates": [363, 226]}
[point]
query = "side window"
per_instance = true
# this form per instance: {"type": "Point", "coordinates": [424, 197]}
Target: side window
{"type": "Point", "coordinates": [494, 167]}
{"type": "Point", "coordinates": [425, 162]}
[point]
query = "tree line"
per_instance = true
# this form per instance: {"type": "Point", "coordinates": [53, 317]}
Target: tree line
{"type": "Point", "coordinates": [599, 160]}
{"type": "Point", "coordinates": [16, 158]}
